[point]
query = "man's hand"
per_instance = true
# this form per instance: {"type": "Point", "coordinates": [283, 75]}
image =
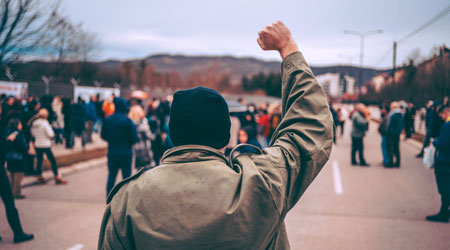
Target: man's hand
{"type": "Point", "coordinates": [277, 37]}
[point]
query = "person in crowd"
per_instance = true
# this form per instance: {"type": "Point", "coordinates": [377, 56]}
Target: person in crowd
{"type": "Point", "coordinates": [336, 121]}
{"type": "Point", "coordinates": [245, 137]}
{"type": "Point", "coordinates": [67, 112]}
{"type": "Point", "coordinates": [360, 125]}
{"type": "Point", "coordinates": [264, 123]}
{"type": "Point", "coordinates": [409, 118]}
{"type": "Point", "coordinates": [108, 106]}
{"type": "Point", "coordinates": [16, 152]}
{"type": "Point", "coordinates": [6, 107]}
{"type": "Point", "coordinates": [382, 129]}
{"type": "Point", "coordinates": [166, 140]}
{"type": "Point", "coordinates": [393, 130]}
{"type": "Point", "coordinates": [91, 118]}
{"type": "Point", "coordinates": [58, 121]}
{"type": "Point", "coordinates": [78, 120]}
{"type": "Point", "coordinates": [442, 168]}
{"type": "Point", "coordinates": [157, 142]}
{"type": "Point", "coordinates": [162, 114]}
{"type": "Point", "coordinates": [120, 133]}
{"type": "Point", "coordinates": [274, 111]}
{"type": "Point", "coordinates": [100, 114]}
{"type": "Point", "coordinates": [6, 193]}
{"type": "Point", "coordinates": [438, 122]}
{"type": "Point", "coordinates": [151, 110]}
{"type": "Point", "coordinates": [234, 133]}
{"type": "Point", "coordinates": [422, 115]}
{"type": "Point", "coordinates": [429, 126]}
{"type": "Point", "coordinates": [15, 111]}
{"type": "Point", "coordinates": [43, 135]}
{"type": "Point", "coordinates": [236, 204]}
{"type": "Point", "coordinates": [343, 116]}
{"type": "Point", "coordinates": [32, 108]}
{"type": "Point", "coordinates": [142, 149]}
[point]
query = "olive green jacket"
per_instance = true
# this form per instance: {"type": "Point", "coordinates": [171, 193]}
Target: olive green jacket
{"type": "Point", "coordinates": [198, 199]}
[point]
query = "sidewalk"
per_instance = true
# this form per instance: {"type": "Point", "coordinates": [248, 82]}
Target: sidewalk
{"type": "Point", "coordinates": [73, 160]}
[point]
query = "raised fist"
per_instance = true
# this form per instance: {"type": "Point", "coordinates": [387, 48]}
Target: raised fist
{"type": "Point", "coordinates": [277, 37]}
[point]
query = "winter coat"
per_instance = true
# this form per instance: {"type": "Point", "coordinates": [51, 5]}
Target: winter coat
{"type": "Point", "coordinates": [360, 125]}
{"type": "Point", "coordinates": [42, 133]}
{"type": "Point", "coordinates": [19, 147]}
{"type": "Point", "coordinates": [78, 117]}
{"type": "Point", "coordinates": [198, 199]}
{"type": "Point", "coordinates": [442, 144]}
{"type": "Point", "coordinates": [91, 112]}
{"type": "Point", "coordinates": [395, 123]}
{"type": "Point", "coordinates": [119, 131]}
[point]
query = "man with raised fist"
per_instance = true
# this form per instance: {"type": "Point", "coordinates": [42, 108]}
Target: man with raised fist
{"type": "Point", "coordinates": [199, 199]}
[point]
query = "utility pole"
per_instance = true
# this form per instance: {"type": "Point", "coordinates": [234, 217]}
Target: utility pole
{"type": "Point", "coordinates": [393, 63]}
{"type": "Point", "coordinates": [361, 48]}
{"type": "Point", "coordinates": [46, 81]}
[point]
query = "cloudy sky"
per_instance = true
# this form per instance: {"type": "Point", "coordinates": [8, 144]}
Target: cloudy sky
{"type": "Point", "coordinates": [137, 28]}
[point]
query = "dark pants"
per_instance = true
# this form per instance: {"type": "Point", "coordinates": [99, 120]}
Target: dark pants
{"type": "Point", "coordinates": [81, 134]}
{"type": "Point", "coordinates": [409, 126]}
{"type": "Point", "coordinates": [8, 200]}
{"type": "Point", "coordinates": [358, 146]}
{"type": "Point", "coordinates": [342, 124]}
{"type": "Point", "coordinates": [68, 137]}
{"type": "Point", "coordinates": [393, 143]}
{"type": "Point", "coordinates": [427, 139]}
{"type": "Point", "coordinates": [442, 174]}
{"type": "Point", "coordinates": [116, 162]}
{"type": "Point", "coordinates": [58, 135]}
{"type": "Point", "coordinates": [88, 131]}
{"type": "Point", "coordinates": [40, 157]}
{"type": "Point", "coordinates": [30, 164]}
{"type": "Point", "coordinates": [384, 149]}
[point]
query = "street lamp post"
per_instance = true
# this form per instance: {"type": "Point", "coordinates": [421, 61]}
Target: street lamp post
{"type": "Point", "coordinates": [361, 48]}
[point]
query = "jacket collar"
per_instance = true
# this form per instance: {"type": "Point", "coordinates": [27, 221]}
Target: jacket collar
{"type": "Point", "coordinates": [190, 153]}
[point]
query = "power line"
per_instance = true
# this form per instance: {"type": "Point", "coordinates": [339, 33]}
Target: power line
{"type": "Point", "coordinates": [440, 15]}
{"type": "Point", "coordinates": [383, 57]}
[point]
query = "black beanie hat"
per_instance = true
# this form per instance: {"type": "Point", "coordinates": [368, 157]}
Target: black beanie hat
{"type": "Point", "coordinates": [199, 116]}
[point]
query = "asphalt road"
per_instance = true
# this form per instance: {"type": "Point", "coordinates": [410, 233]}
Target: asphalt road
{"type": "Point", "coordinates": [346, 207]}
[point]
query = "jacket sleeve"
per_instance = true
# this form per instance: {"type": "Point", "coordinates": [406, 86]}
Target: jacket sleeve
{"type": "Point", "coordinates": [108, 238]}
{"type": "Point", "coordinates": [443, 141]}
{"type": "Point", "coordinates": [301, 144]}
{"type": "Point", "coordinates": [49, 131]}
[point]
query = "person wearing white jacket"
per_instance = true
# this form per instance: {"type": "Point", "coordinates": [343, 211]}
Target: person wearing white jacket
{"type": "Point", "coordinates": [43, 135]}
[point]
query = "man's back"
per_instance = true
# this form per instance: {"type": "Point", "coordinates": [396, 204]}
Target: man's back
{"type": "Point", "coordinates": [194, 197]}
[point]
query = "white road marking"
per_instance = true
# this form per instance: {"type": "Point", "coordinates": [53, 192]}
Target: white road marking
{"type": "Point", "coordinates": [337, 178]}
{"type": "Point", "coordinates": [76, 247]}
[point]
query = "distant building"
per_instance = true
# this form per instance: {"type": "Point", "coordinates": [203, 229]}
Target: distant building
{"type": "Point", "coordinates": [337, 85]}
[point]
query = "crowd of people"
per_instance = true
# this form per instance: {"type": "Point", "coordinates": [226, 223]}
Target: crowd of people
{"type": "Point", "coordinates": [400, 118]}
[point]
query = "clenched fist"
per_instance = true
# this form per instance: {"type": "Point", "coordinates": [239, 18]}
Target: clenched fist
{"type": "Point", "coordinates": [277, 37]}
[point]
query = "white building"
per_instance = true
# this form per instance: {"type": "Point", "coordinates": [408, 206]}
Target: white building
{"type": "Point", "coordinates": [336, 85]}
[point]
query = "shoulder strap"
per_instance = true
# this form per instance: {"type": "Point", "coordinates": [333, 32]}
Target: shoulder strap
{"type": "Point", "coordinates": [231, 158]}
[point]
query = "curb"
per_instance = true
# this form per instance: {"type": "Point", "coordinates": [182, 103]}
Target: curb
{"type": "Point", "coordinates": [67, 171]}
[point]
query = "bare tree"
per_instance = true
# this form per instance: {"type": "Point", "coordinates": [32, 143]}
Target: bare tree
{"type": "Point", "coordinates": [63, 32]}
{"type": "Point", "coordinates": [24, 27]}
{"type": "Point", "coordinates": [85, 44]}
